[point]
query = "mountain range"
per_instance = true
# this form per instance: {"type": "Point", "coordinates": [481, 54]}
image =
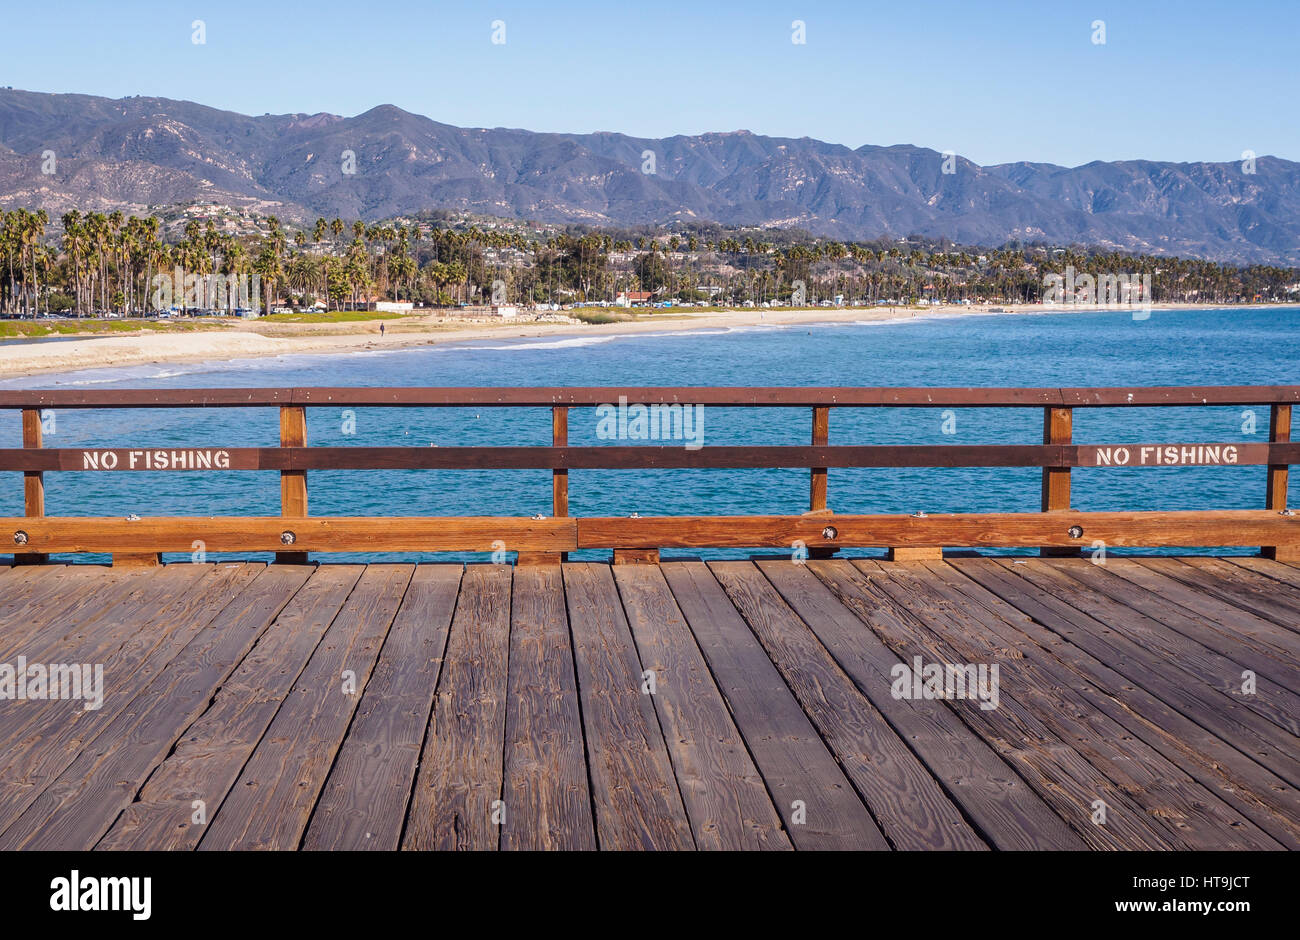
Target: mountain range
{"type": "Point", "coordinates": [140, 152]}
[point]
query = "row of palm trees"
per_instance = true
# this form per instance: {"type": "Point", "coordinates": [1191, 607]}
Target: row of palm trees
{"type": "Point", "coordinates": [105, 262]}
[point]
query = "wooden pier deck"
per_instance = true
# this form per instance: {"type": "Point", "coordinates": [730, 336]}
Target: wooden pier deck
{"type": "Point", "coordinates": [1142, 704]}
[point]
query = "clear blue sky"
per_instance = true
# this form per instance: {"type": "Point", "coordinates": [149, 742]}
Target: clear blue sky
{"type": "Point", "coordinates": [994, 81]}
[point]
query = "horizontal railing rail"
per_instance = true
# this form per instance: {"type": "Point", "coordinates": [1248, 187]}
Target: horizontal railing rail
{"type": "Point", "coordinates": [1056, 528]}
{"type": "Point", "coordinates": [729, 396]}
{"type": "Point", "coordinates": [636, 457]}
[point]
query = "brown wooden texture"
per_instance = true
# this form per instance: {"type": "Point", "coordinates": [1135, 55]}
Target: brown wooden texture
{"type": "Point", "coordinates": [457, 803]}
{"type": "Point", "coordinates": [747, 706]}
{"type": "Point", "coordinates": [1004, 810]}
{"type": "Point", "coordinates": [1153, 396]}
{"type": "Point", "coordinates": [1279, 430]}
{"type": "Point", "coordinates": [211, 753]}
{"type": "Point", "coordinates": [1039, 694]}
{"type": "Point", "coordinates": [363, 805]}
{"type": "Point", "coordinates": [821, 428]}
{"type": "Point", "coordinates": [905, 800]}
{"type": "Point", "coordinates": [636, 556]}
{"type": "Point", "coordinates": [546, 797]}
{"type": "Point", "coordinates": [271, 802]}
{"type": "Point", "coordinates": [638, 804]}
{"type": "Point", "coordinates": [1213, 761]}
{"type": "Point", "coordinates": [319, 533]}
{"type": "Point", "coordinates": [1058, 428]}
{"type": "Point", "coordinates": [33, 480]}
{"type": "Point", "coordinates": [990, 530]}
{"type": "Point", "coordinates": [560, 478]}
{"type": "Point", "coordinates": [816, 801]}
{"type": "Point", "coordinates": [560, 458]}
{"type": "Point", "coordinates": [74, 811]}
{"type": "Point", "coordinates": [136, 559]}
{"type": "Point", "coordinates": [130, 638]}
{"type": "Point", "coordinates": [915, 553]}
{"type": "Point", "coordinates": [293, 483]}
{"type": "Point", "coordinates": [723, 792]}
{"type": "Point", "coordinates": [1212, 708]}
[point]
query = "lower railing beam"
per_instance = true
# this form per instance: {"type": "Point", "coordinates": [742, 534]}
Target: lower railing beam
{"type": "Point", "coordinates": [532, 559]}
{"type": "Point", "coordinates": [910, 553]}
{"type": "Point", "coordinates": [136, 559]}
{"type": "Point", "coordinates": [636, 556]}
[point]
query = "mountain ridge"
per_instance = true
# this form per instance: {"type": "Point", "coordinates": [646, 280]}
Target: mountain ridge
{"type": "Point", "coordinates": [131, 153]}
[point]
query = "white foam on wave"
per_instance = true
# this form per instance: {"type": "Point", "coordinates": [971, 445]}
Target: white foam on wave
{"type": "Point", "coordinates": [525, 344]}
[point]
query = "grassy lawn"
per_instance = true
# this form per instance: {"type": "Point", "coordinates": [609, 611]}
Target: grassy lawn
{"type": "Point", "coordinates": [332, 316]}
{"type": "Point", "coordinates": [12, 329]}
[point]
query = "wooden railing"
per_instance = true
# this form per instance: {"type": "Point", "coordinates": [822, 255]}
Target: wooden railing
{"type": "Point", "coordinates": [1056, 529]}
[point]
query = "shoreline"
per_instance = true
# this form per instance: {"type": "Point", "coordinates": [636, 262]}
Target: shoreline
{"type": "Point", "coordinates": [246, 341]}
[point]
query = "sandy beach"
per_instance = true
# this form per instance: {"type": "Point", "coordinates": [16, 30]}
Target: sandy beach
{"type": "Point", "coordinates": [253, 339]}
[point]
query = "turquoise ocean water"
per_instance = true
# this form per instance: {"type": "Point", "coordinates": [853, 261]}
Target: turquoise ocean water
{"type": "Point", "coordinates": [1219, 347]}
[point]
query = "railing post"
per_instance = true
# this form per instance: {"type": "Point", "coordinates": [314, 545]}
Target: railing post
{"type": "Point", "coordinates": [1279, 432]}
{"type": "Point", "coordinates": [293, 483]}
{"type": "Point", "coordinates": [818, 482]}
{"type": "Point", "coordinates": [1058, 428]}
{"type": "Point", "coordinates": [821, 437]}
{"type": "Point", "coordinates": [559, 488]}
{"type": "Point", "coordinates": [559, 478]}
{"type": "Point", "coordinates": [33, 482]}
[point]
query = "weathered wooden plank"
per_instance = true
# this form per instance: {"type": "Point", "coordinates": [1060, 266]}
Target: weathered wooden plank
{"type": "Point", "coordinates": [212, 751]}
{"type": "Point", "coordinates": [797, 396]}
{"type": "Point", "coordinates": [1172, 799]}
{"type": "Point", "coordinates": [456, 802]}
{"type": "Point", "coordinates": [990, 530]}
{"type": "Point", "coordinates": [722, 790]}
{"type": "Point", "coordinates": [122, 636]}
{"type": "Point", "coordinates": [322, 533]}
{"type": "Point", "coordinates": [1218, 713]}
{"type": "Point", "coordinates": [1285, 573]}
{"type": "Point", "coordinates": [1005, 811]}
{"type": "Point", "coordinates": [49, 599]}
{"type": "Point", "coordinates": [907, 803]}
{"type": "Point", "coordinates": [1262, 796]}
{"type": "Point", "coordinates": [292, 460]}
{"type": "Point", "coordinates": [547, 800]}
{"type": "Point", "coordinates": [363, 805]}
{"type": "Point", "coordinates": [817, 802]}
{"type": "Point", "coordinates": [1233, 584]}
{"type": "Point", "coordinates": [1226, 629]}
{"type": "Point", "coordinates": [637, 802]}
{"type": "Point", "coordinates": [176, 534]}
{"type": "Point", "coordinates": [131, 643]}
{"type": "Point", "coordinates": [78, 807]}
{"type": "Point", "coordinates": [1195, 659]}
{"type": "Point", "coordinates": [1058, 773]}
{"type": "Point", "coordinates": [270, 804]}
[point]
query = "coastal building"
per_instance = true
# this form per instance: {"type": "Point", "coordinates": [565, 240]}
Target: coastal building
{"type": "Point", "coordinates": [628, 298]}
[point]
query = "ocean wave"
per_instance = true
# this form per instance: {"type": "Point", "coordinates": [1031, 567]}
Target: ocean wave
{"type": "Point", "coordinates": [525, 344]}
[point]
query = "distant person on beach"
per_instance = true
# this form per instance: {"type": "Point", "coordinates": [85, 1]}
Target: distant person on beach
{"type": "Point", "coordinates": [381, 329]}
